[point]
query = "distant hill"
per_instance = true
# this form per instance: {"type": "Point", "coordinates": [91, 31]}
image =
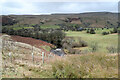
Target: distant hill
{"type": "Point", "coordinates": [93, 19]}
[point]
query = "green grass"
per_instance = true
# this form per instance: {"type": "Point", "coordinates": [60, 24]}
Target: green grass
{"type": "Point", "coordinates": [102, 40]}
{"type": "Point", "coordinates": [49, 26]}
{"type": "Point", "coordinates": [46, 47]}
{"type": "Point", "coordinates": [17, 28]}
{"type": "Point", "coordinates": [99, 31]}
{"type": "Point", "coordinates": [95, 65]}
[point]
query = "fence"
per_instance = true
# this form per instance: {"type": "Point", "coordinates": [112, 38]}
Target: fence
{"type": "Point", "coordinates": [23, 54]}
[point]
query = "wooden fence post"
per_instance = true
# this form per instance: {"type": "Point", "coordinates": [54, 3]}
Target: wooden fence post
{"type": "Point", "coordinates": [42, 57]}
{"type": "Point", "coordinates": [33, 57]}
{"type": "Point", "coordinates": [10, 57]}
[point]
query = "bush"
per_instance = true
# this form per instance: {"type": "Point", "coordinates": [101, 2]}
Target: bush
{"type": "Point", "coordinates": [92, 31]}
{"type": "Point", "coordinates": [94, 46]}
{"type": "Point", "coordinates": [77, 51]}
{"type": "Point", "coordinates": [88, 31]}
{"type": "Point", "coordinates": [71, 42]}
{"type": "Point", "coordinates": [112, 49]}
{"type": "Point", "coordinates": [65, 45]}
{"type": "Point", "coordinates": [85, 66]}
{"type": "Point", "coordinates": [105, 33]}
{"type": "Point", "coordinates": [72, 51]}
{"type": "Point", "coordinates": [111, 32]}
{"type": "Point", "coordinates": [82, 43]}
{"type": "Point", "coordinates": [79, 43]}
{"type": "Point", "coordinates": [85, 51]}
{"type": "Point", "coordinates": [119, 30]}
{"type": "Point", "coordinates": [115, 30]}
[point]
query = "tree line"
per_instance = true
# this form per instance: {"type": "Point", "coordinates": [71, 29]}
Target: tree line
{"type": "Point", "coordinates": [54, 36]}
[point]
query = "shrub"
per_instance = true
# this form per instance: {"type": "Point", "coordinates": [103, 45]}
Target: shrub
{"type": "Point", "coordinates": [119, 30]}
{"type": "Point", "coordinates": [111, 32]}
{"type": "Point", "coordinates": [67, 42]}
{"type": "Point", "coordinates": [72, 51]}
{"type": "Point", "coordinates": [94, 46]}
{"type": "Point", "coordinates": [85, 51]}
{"type": "Point", "coordinates": [75, 45]}
{"type": "Point", "coordinates": [71, 42]}
{"type": "Point", "coordinates": [115, 30]}
{"type": "Point", "coordinates": [102, 28]}
{"type": "Point", "coordinates": [82, 43]}
{"type": "Point", "coordinates": [77, 51]}
{"type": "Point", "coordinates": [112, 49]}
{"type": "Point", "coordinates": [85, 66]}
{"type": "Point", "coordinates": [87, 31]}
{"type": "Point", "coordinates": [105, 33]}
{"type": "Point", "coordinates": [65, 45]}
{"type": "Point", "coordinates": [92, 31]}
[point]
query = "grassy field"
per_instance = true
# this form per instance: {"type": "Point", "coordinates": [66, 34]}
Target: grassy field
{"type": "Point", "coordinates": [17, 28]}
{"type": "Point", "coordinates": [95, 65]}
{"type": "Point", "coordinates": [99, 31]}
{"type": "Point", "coordinates": [49, 26]}
{"type": "Point", "coordinates": [102, 40]}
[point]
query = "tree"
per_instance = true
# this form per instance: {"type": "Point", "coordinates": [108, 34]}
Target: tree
{"type": "Point", "coordinates": [105, 33]}
{"type": "Point", "coordinates": [92, 31]}
{"type": "Point", "coordinates": [88, 31]}
{"type": "Point", "coordinates": [115, 30]}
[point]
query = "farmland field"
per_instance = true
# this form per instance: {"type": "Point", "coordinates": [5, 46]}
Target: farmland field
{"type": "Point", "coordinates": [102, 40]}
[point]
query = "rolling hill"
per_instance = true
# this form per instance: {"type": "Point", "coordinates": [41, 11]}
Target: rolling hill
{"type": "Point", "coordinates": [93, 19]}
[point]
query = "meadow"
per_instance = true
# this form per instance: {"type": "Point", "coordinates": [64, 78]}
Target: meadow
{"type": "Point", "coordinates": [103, 41]}
{"type": "Point", "coordinates": [49, 26]}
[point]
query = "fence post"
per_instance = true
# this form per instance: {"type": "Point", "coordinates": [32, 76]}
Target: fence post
{"type": "Point", "coordinates": [10, 57]}
{"type": "Point", "coordinates": [42, 57]}
{"type": "Point", "coordinates": [33, 57]}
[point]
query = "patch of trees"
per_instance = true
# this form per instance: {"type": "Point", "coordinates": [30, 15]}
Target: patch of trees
{"type": "Point", "coordinates": [72, 27]}
{"type": "Point", "coordinates": [105, 33]}
{"type": "Point", "coordinates": [91, 31]}
{"type": "Point", "coordinates": [70, 43]}
{"type": "Point", "coordinates": [49, 35]}
{"type": "Point", "coordinates": [115, 30]}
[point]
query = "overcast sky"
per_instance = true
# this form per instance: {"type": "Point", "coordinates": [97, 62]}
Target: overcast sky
{"type": "Point", "coordinates": [20, 7]}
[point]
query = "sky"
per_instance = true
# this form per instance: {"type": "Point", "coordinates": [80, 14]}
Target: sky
{"type": "Point", "coordinates": [22, 7]}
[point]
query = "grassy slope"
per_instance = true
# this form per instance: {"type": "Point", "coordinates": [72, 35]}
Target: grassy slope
{"type": "Point", "coordinates": [95, 65]}
{"type": "Point", "coordinates": [17, 28]}
{"type": "Point", "coordinates": [103, 41]}
{"type": "Point", "coordinates": [49, 26]}
{"type": "Point", "coordinates": [99, 31]}
{"type": "Point", "coordinates": [101, 19]}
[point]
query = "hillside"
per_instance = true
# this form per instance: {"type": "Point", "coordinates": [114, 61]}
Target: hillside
{"type": "Point", "coordinates": [26, 44]}
{"type": "Point", "coordinates": [94, 19]}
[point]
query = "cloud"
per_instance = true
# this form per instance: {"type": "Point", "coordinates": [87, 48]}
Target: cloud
{"type": "Point", "coordinates": [29, 7]}
{"type": "Point", "coordinates": [90, 7]}
{"type": "Point", "coordinates": [18, 7]}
